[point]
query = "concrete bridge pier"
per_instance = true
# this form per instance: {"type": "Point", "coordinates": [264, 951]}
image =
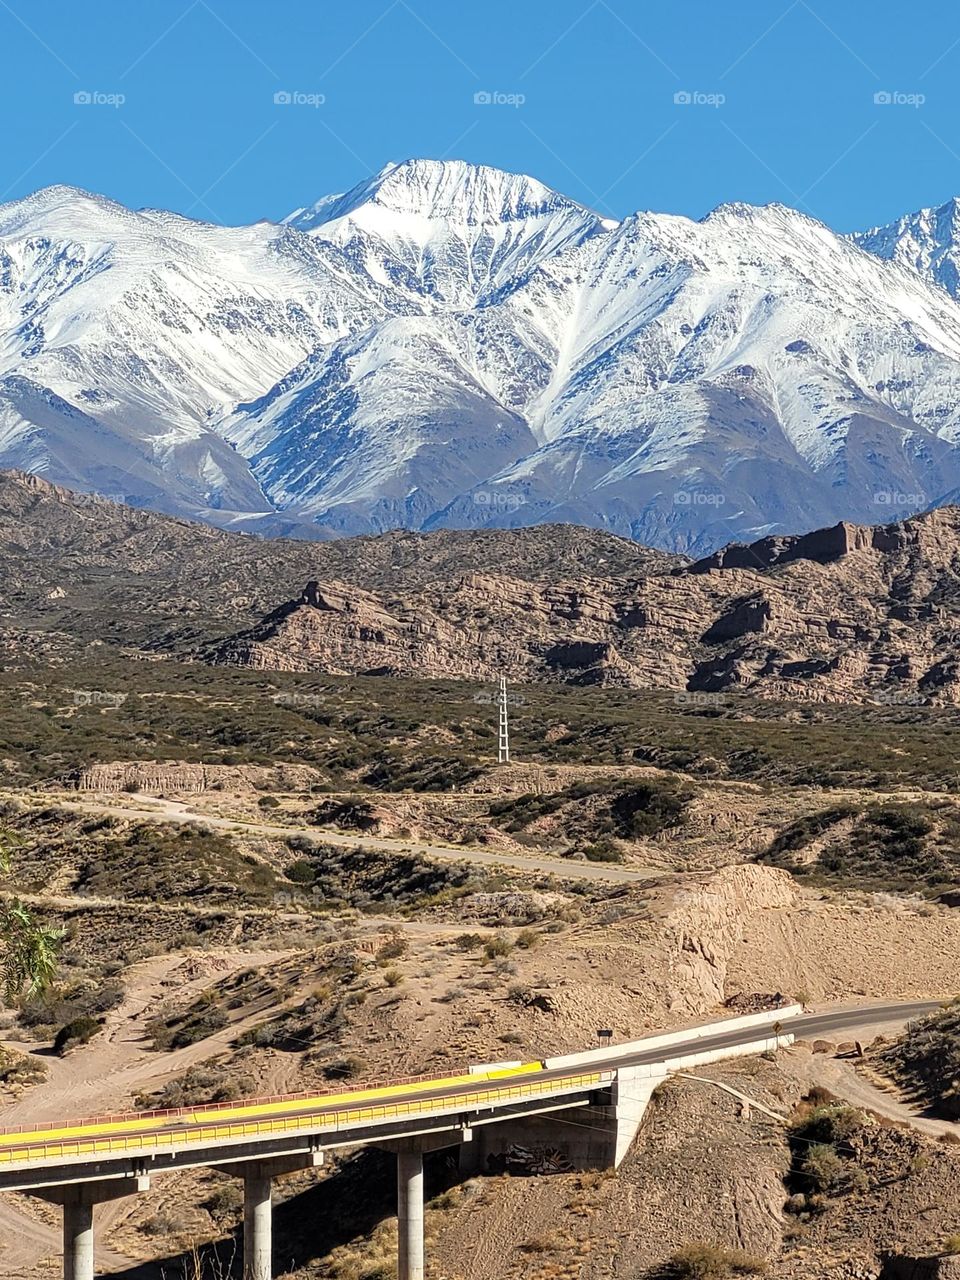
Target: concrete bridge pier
{"type": "Point", "coordinates": [411, 1263]}
{"type": "Point", "coordinates": [257, 1227]}
{"type": "Point", "coordinates": [410, 1259]}
{"type": "Point", "coordinates": [78, 1240]}
{"type": "Point", "coordinates": [258, 1176]}
{"type": "Point", "coordinates": [78, 1202]}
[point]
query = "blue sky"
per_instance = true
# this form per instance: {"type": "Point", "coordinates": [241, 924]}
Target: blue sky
{"type": "Point", "coordinates": [783, 100]}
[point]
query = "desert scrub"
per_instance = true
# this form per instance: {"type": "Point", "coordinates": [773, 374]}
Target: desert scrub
{"type": "Point", "coordinates": [926, 1059]}
{"type": "Point", "coordinates": [368, 880]}
{"type": "Point", "coordinates": [602, 807]}
{"type": "Point", "coordinates": [80, 1031]}
{"type": "Point", "coordinates": [824, 1140]}
{"type": "Point", "coordinates": [498, 947]}
{"type": "Point", "coordinates": [178, 1030]}
{"type": "Point", "coordinates": [18, 1069]}
{"type": "Point", "coordinates": [711, 1262]}
{"type": "Point", "coordinates": [201, 1084]}
{"type": "Point", "coordinates": [896, 847]}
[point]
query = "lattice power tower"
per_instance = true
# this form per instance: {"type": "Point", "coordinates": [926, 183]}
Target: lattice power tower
{"type": "Point", "coordinates": [503, 749]}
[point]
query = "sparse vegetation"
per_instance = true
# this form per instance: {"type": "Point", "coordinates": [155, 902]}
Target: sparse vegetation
{"type": "Point", "coordinates": [497, 948]}
{"type": "Point", "coordinates": [80, 1031]}
{"type": "Point", "coordinates": [890, 846]}
{"type": "Point", "coordinates": [926, 1059]}
{"type": "Point", "coordinates": [822, 1143]}
{"type": "Point", "coordinates": [711, 1262]}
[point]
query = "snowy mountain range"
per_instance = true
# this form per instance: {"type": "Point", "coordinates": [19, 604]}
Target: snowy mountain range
{"type": "Point", "coordinates": [449, 345]}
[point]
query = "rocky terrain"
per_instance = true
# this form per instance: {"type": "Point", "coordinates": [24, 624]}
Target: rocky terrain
{"type": "Point", "coordinates": [847, 614]}
{"type": "Point", "coordinates": [203, 969]}
{"type": "Point", "coordinates": [269, 816]}
{"type": "Point", "coordinates": [850, 614]}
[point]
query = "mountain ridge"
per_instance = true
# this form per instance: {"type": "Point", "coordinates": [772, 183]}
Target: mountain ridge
{"type": "Point", "coordinates": [450, 345]}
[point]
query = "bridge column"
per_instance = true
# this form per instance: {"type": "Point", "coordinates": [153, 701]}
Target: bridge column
{"type": "Point", "coordinates": [77, 1239]}
{"type": "Point", "coordinates": [258, 1176]}
{"type": "Point", "coordinates": [257, 1226]}
{"type": "Point", "coordinates": [409, 1152]}
{"type": "Point", "coordinates": [410, 1212]}
{"type": "Point", "coordinates": [78, 1202]}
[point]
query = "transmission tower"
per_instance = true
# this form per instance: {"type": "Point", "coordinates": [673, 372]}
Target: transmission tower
{"type": "Point", "coordinates": [503, 750]}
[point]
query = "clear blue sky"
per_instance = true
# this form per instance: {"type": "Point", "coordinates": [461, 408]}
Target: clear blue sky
{"type": "Point", "coordinates": [199, 130]}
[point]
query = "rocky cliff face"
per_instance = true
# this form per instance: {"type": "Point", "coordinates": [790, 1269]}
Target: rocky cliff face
{"type": "Point", "coordinates": [709, 921]}
{"type": "Point", "coordinates": [851, 613]}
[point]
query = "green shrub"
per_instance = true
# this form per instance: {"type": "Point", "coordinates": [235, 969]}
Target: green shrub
{"type": "Point", "coordinates": [80, 1031]}
{"type": "Point", "coordinates": [302, 871]}
{"type": "Point", "coordinates": [468, 941]}
{"type": "Point", "coordinates": [345, 1068]}
{"type": "Point", "coordinates": [602, 851]}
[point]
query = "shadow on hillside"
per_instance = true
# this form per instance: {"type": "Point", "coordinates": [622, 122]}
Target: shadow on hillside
{"type": "Point", "coordinates": [337, 1209]}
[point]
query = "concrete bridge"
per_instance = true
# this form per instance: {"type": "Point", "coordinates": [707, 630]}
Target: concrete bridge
{"type": "Point", "coordinates": [80, 1164]}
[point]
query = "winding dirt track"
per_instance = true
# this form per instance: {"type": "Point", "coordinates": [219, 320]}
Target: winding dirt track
{"type": "Point", "coordinates": [151, 809]}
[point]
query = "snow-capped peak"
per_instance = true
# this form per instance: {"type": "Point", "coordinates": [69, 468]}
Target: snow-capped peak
{"type": "Point", "coordinates": [451, 191]}
{"type": "Point", "coordinates": [452, 344]}
{"type": "Point", "coordinates": [927, 241]}
{"type": "Point", "coordinates": [59, 204]}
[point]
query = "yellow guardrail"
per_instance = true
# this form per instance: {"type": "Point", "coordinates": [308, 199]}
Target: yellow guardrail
{"type": "Point", "coordinates": [185, 1128]}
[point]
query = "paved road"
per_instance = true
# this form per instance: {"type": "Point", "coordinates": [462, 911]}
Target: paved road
{"type": "Point", "coordinates": [147, 808]}
{"type": "Point", "coordinates": [855, 1017]}
{"type": "Point", "coordinates": [802, 1027]}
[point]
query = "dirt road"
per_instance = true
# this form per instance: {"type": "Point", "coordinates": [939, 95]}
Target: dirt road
{"type": "Point", "coordinates": [152, 809]}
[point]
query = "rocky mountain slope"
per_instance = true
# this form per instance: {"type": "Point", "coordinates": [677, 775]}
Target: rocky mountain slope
{"type": "Point", "coordinates": [849, 613]}
{"type": "Point", "coordinates": [452, 346]}
{"type": "Point", "coordinates": [927, 242]}
{"type": "Point", "coordinates": [95, 569]}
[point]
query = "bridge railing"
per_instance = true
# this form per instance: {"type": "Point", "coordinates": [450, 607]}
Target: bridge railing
{"type": "Point", "coordinates": [152, 1140]}
{"type": "Point", "coordinates": [265, 1100]}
